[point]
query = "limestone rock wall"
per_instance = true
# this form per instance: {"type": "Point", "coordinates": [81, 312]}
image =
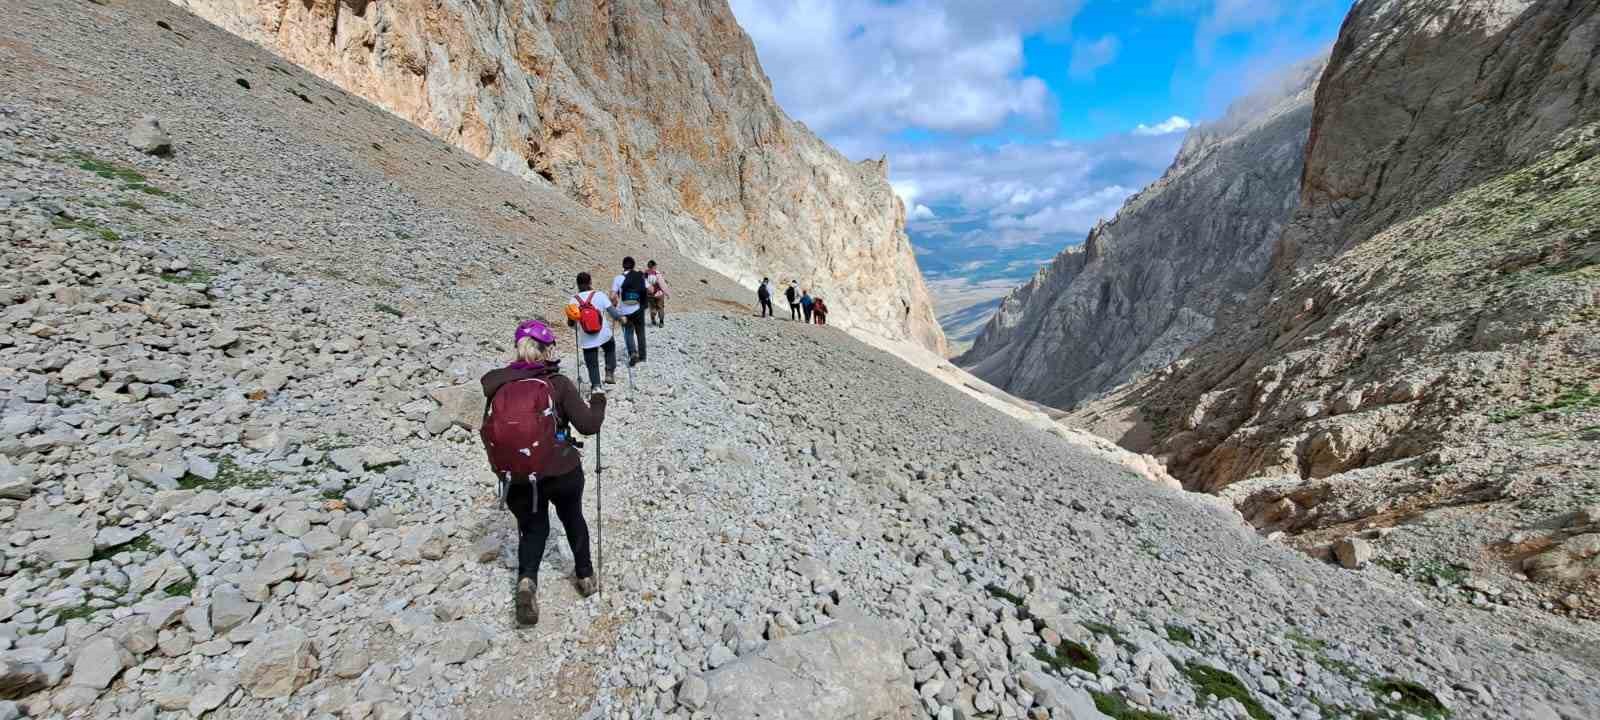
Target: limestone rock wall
{"type": "Point", "coordinates": [655, 114]}
{"type": "Point", "coordinates": [1443, 242]}
{"type": "Point", "coordinates": [1148, 284]}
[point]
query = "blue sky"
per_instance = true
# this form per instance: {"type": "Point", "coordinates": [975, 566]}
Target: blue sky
{"type": "Point", "coordinates": [1012, 126]}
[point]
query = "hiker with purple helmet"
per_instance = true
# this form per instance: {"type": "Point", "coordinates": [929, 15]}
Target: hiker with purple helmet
{"type": "Point", "coordinates": [530, 412]}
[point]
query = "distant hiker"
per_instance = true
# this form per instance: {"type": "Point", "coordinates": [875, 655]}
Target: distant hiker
{"type": "Point", "coordinates": [764, 296]}
{"type": "Point", "coordinates": [628, 292]}
{"type": "Point", "coordinates": [819, 309]}
{"type": "Point", "coordinates": [528, 418]}
{"type": "Point", "coordinates": [793, 294]}
{"type": "Point", "coordinates": [587, 314]}
{"type": "Point", "coordinates": [806, 304]}
{"type": "Point", "coordinates": [656, 286]}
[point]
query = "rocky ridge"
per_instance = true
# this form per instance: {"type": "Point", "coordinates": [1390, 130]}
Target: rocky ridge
{"type": "Point", "coordinates": [1420, 358]}
{"type": "Point", "coordinates": [1148, 284]}
{"type": "Point", "coordinates": [239, 486]}
{"type": "Point", "coordinates": [655, 115]}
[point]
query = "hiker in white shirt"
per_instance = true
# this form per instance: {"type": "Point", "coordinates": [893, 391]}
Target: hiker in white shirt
{"type": "Point", "coordinates": [628, 292]}
{"type": "Point", "coordinates": [595, 342]}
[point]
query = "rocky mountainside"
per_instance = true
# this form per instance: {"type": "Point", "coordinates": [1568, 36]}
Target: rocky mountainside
{"type": "Point", "coordinates": [1423, 350]}
{"type": "Point", "coordinates": [1145, 286]}
{"type": "Point", "coordinates": [655, 114]}
{"type": "Point", "coordinates": [238, 479]}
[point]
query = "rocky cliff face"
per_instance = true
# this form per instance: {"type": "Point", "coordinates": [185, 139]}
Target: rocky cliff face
{"type": "Point", "coordinates": [1148, 284]}
{"type": "Point", "coordinates": [655, 114]}
{"type": "Point", "coordinates": [1428, 332]}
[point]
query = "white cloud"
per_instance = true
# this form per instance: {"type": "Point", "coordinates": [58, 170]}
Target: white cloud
{"type": "Point", "coordinates": [1088, 57]}
{"type": "Point", "coordinates": [908, 190]}
{"type": "Point", "coordinates": [921, 212]}
{"type": "Point", "coordinates": [1075, 216]}
{"type": "Point", "coordinates": [1026, 194]}
{"type": "Point", "coordinates": [857, 71]}
{"type": "Point", "coordinates": [1176, 123]}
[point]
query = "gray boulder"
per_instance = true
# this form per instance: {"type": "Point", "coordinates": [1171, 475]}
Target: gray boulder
{"type": "Point", "coordinates": [458, 405]}
{"type": "Point", "coordinates": [147, 136]}
{"type": "Point", "coordinates": [230, 609]}
{"type": "Point", "coordinates": [99, 662]}
{"type": "Point", "coordinates": [853, 668]}
{"type": "Point", "coordinates": [278, 664]}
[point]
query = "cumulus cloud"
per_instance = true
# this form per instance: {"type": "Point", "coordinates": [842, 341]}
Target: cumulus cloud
{"type": "Point", "coordinates": [1089, 56]}
{"type": "Point", "coordinates": [1014, 195]}
{"type": "Point", "coordinates": [1075, 216]}
{"type": "Point", "coordinates": [921, 212]}
{"type": "Point", "coordinates": [1176, 123]}
{"type": "Point", "coordinates": [857, 71]}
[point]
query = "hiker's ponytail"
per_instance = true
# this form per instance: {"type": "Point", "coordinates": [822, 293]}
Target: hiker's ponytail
{"type": "Point", "coordinates": [530, 351]}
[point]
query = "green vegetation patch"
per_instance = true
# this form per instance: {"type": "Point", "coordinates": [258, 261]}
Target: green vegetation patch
{"type": "Point", "coordinates": [1117, 708]}
{"type": "Point", "coordinates": [190, 275]}
{"type": "Point", "coordinates": [67, 222]}
{"type": "Point", "coordinates": [1180, 634]}
{"type": "Point", "coordinates": [1409, 697]}
{"type": "Point", "coordinates": [229, 474]}
{"type": "Point", "coordinates": [385, 308]}
{"type": "Point", "coordinates": [1068, 654]}
{"type": "Point", "coordinates": [1570, 400]}
{"type": "Point", "coordinates": [1099, 628]}
{"type": "Point", "coordinates": [179, 589]}
{"type": "Point", "coordinates": [1305, 642]}
{"type": "Point", "coordinates": [1210, 681]}
{"type": "Point", "coordinates": [1426, 570]}
{"type": "Point", "coordinates": [1342, 668]}
{"type": "Point", "coordinates": [75, 612]}
{"type": "Point", "coordinates": [143, 543]}
{"type": "Point", "coordinates": [996, 591]}
{"type": "Point", "coordinates": [131, 179]}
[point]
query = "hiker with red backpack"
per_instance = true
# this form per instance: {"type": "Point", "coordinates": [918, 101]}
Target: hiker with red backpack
{"type": "Point", "coordinates": [530, 413]}
{"type": "Point", "coordinates": [587, 314]}
{"type": "Point", "coordinates": [656, 292]}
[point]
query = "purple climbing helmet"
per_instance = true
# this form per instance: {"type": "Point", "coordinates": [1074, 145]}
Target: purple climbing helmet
{"type": "Point", "coordinates": [536, 330]}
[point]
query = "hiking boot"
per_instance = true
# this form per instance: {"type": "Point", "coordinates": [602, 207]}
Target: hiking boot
{"type": "Point", "coordinates": [587, 586]}
{"type": "Point", "coordinates": [611, 377]}
{"type": "Point", "coordinates": [633, 359]}
{"type": "Point", "coordinates": [527, 604]}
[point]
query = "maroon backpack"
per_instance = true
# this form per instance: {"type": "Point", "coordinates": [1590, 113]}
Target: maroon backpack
{"type": "Point", "coordinates": [519, 429]}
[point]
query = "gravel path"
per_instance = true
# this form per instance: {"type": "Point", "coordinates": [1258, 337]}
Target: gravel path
{"type": "Point", "coordinates": [229, 484]}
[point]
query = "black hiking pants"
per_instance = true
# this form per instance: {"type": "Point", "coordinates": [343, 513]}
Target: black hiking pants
{"type": "Point", "coordinates": [807, 309]}
{"type": "Point", "coordinates": [633, 334]}
{"type": "Point", "coordinates": [766, 307]}
{"type": "Point", "coordinates": [794, 311]}
{"type": "Point", "coordinates": [591, 358]}
{"type": "Point", "coordinates": [532, 510]}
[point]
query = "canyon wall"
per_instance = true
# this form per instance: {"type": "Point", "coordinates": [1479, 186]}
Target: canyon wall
{"type": "Point", "coordinates": [655, 114]}
{"type": "Point", "coordinates": [1148, 284]}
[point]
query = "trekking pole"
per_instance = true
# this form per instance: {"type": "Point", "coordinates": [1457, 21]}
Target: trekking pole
{"type": "Point", "coordinates": [599, 518]}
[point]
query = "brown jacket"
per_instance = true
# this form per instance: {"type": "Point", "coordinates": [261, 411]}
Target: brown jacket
{"type": "Point", "coordinates": [583, 417]}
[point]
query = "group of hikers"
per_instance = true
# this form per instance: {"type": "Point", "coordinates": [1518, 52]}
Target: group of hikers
{"type": "Point", "coordinates": [531, 411]}
{"type": "Point", "coordinates": [802, 305]}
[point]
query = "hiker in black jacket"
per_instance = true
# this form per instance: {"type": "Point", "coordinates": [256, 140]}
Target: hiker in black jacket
{"type": "Point", "coordinates": [764, 296]}
{"type": "Point", "coordinates": [794, 300]}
